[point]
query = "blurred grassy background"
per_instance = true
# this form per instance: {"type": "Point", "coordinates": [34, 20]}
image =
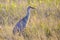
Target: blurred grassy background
{"type": "Point", "coordinates": [44, 22]}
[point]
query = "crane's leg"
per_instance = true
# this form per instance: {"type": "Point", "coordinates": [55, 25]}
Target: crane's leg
{"type": "Point", "coordinates": [19, 32]}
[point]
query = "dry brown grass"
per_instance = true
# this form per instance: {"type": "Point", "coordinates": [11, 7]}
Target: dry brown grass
{"type": "Point", "coordinates": [44, 22]}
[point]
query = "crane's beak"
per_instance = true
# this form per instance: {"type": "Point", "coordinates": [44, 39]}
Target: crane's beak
{"type": "Point", "coordinates": [32, 7]}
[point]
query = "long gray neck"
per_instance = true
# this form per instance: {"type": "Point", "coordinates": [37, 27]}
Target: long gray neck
{"type": "Point", "coordinates": [28, 12]}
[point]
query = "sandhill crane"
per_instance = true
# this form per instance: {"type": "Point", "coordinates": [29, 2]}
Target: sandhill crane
{"type": "Point", "coordinates": [21, 24]}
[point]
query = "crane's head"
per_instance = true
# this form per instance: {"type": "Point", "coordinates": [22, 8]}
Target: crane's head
{"type": "Point", "coordinates": [30, 7]}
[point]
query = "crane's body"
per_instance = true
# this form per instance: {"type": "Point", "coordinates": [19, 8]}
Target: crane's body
{"type": "Point", "coordinates": [21, 24]}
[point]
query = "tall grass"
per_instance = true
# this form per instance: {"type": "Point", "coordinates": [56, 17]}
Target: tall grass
{"type": "Point", "coordinates": [44, 22]}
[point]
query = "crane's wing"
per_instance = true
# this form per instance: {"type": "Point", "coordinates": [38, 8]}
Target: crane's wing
{"type": "Point", "coordinates": [22, 23]}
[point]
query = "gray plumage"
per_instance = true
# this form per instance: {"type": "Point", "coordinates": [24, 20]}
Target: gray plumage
{"type": "Point", "coordinates": [21, 24]}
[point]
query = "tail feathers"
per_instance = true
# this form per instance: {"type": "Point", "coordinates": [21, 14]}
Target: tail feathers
{"type": "Point", "coordinates": [14, 30]}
